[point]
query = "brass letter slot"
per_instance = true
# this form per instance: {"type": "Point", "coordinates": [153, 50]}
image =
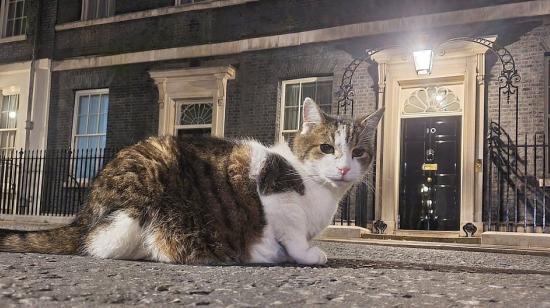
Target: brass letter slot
{"type": "Point", "coordinates": [429, 167]}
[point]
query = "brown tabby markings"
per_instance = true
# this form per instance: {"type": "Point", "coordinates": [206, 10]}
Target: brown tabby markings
{"type": "Point", "coordinates": [193, 198]}
{"type": "Point", "coordinates": [306, 147]}
{"type": "Point", "coordinates": [67, 240]}
{"type": "Point", "coordinates": [278, 176]}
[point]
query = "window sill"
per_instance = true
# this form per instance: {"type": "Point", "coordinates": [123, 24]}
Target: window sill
{"type": "Point", "coordinates": [151, 13]}
{"type": "Point", "coordinates": [11, 39]}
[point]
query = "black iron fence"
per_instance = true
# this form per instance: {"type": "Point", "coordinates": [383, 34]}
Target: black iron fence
{"type": "Point", "coordinates": [48, 182]}
{"type": "Point", "coordinates": [517, 182]}
{"type": "Point", "coordinates": [357, 208]}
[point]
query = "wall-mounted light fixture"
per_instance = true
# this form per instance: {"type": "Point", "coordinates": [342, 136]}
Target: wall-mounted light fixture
{"type": "Point", "coordinates": [423, 61]}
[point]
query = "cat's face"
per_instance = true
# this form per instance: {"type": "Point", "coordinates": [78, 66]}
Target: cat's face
{"type": "Point", "coordinates": [336, 151]}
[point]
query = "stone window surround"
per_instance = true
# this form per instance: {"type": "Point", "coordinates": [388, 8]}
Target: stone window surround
{"type": "Point", "coordinates": [191, 84]}
{"type": "Point", "coordinates": [151, 13]}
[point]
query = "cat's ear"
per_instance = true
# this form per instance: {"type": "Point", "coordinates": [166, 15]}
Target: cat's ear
{"type": "Point", "coordinates": [369, 124]}
{"type": "Point", "coordinates": [312, 115]}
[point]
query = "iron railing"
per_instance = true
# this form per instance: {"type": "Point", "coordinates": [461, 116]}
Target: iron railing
{"type": "Point", "coordinates": [48, 182]}
{"type": "Point", "coordinates": [517, 183]}
{"type": "Point", "coordinates": [357, 207]}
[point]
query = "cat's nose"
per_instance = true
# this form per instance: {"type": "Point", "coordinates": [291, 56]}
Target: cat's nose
{"type": "Point", "coordinates": [343, 170]}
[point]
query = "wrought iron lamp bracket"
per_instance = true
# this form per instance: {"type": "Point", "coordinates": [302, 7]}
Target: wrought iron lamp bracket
{"type": "Point", "coordinates": [508, 79]}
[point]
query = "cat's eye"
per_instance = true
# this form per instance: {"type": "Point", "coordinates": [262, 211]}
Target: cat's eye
{"type": "Point", "coordinates": [357, 152]}
{"type": "Point", "coordinates": [326, 148]}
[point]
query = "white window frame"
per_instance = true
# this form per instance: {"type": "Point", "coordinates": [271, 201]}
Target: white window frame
{"type": "Point", "coordinates": [4, 18]}
{"type": "Point", "coordinates": [77, 97]}
{"type": "Point", "coordinates": [11, 93]}
{"type": "Point", "coordinates": [86, 6]}
{"type": "Point", "coordinates": [283, 100]}
{"type": "Point", "coordinates": [179, 103]}
{"type": "Point", "coordinates": [83, 180]}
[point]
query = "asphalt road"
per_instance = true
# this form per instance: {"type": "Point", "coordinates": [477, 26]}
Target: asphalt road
{"type": "Point", "coordinates": [356, 275]}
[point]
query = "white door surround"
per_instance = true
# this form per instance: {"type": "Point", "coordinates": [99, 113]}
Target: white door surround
{"type": "Point", "coordinates": [15, 78]}
{"type": "Point", "coordinates": [460, 66]}
{"type": "Point", "coordinates": [190, 84]}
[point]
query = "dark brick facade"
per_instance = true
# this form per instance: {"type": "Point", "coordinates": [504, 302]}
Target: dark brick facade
{"type": "Point", "coordinates": [22, 50]}
{"type": "Point", "coordinates": [133, 106]}
{"type": "Point", "coordinates": [528, 52]}
{"type": "Point", "coordinates": [253, 98]}
{"type": "Point", "coordinates": [253, 19]}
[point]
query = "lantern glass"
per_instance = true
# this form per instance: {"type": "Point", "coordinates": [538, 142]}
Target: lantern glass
{"type": "Point", "coordinates": [423, 61]}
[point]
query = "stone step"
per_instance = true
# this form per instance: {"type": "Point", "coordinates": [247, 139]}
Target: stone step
{"type": "Point", "coordinates": [424, 238]}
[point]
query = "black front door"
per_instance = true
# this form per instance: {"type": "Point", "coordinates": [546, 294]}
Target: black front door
{"type": "Point", "coordinates": [430, 174]}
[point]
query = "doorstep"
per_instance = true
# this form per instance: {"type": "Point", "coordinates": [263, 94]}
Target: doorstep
{"type": "Point", "coordinates": [435, 238]}
{"type": "Point", "coordinates": [445, 246]}
{"type": "Point", "coordinates": [523, 240]}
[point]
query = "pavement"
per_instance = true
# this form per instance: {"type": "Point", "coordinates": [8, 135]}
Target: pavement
{"type": "Point", "coordinates": [356, 275]}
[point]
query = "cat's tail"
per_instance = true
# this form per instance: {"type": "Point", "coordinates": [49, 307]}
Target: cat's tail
{"type": "Point", "coordinates": [63, 240]}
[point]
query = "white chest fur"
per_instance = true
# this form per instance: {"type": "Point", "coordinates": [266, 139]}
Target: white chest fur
{"type": "Point", "coordinates": [292, 218]}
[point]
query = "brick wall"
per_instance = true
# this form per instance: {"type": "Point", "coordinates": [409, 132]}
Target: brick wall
{"type": "Point", "coordinates": [253, 100]}
{"type": "Point", "coordinates": [22, 50]}
{"type": "Point", "coordinates": [48, 16]}
{"type": "Point", "coordinates": [528, 53]}
{"type": "Point", "coordinates": [133, 111]}
{"type": "Point", "coordinates": [15, 51]}
{"type": "Point", "coordinates": [265, 17]}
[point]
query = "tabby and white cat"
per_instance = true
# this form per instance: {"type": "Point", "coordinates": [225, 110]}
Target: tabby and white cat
{"type": "Point", "coordinates": [207, 200]}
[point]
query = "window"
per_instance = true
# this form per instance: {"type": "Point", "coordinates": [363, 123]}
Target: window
{"type": "Point", "coordinates": [13, 21]}
{"type": "Point", "coordinates": [293, 94]}
{"type": "Point", "coordinates": [89, 130]}
{"type": "Point", "coordinates": [180, 2]}
{"type": "Point", "coordinates": [194, 118]}
{"type": "Point", "coordinates": [94, 9]}
{"type": "Point", "coordinates": [8, 121]}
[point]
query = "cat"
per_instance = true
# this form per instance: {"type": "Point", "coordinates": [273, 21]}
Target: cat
{"type": "Point", "coordinates": [205, 200]}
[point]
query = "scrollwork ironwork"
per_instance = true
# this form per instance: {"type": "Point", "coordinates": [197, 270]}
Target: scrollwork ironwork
{"type": "Point", "coordinates": [346, 92]}
{"type": "Point", "coordinates": [470, 229]}
{"type": "Point", "coordinates": [379, 227]}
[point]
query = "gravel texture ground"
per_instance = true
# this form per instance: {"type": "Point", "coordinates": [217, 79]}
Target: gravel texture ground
{"type": "Point", "coordinates": [356, 275]}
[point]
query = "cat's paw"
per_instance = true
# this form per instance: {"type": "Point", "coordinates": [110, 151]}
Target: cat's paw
{"type": "Point", "coordinates": [321, 255]}
{"type": "Point", "coordinates": [314, 256]}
